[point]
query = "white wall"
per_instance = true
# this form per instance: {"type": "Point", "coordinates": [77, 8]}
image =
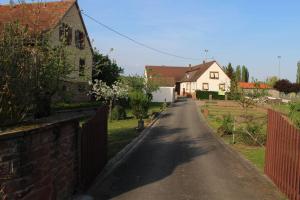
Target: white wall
{"type": "Point", "coordinates": [164, 93]}
{"type": "Point", "coordinates": [213, 84]}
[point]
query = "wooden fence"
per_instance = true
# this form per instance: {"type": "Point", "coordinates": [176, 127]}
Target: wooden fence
{"type": "Point", "coordinates": [93, 147]}
{"type": "Point", "coordinates": [282, 162]}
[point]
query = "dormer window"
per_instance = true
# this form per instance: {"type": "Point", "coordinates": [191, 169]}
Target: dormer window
{"type": "Point", "coordinates": [65, 34]}
{"type": "Point", "coordinates": [214, 75]}
{"type": "Point", "coordinates": [79, 39]}
{"type": "Point", "coordinates": [187, 75]}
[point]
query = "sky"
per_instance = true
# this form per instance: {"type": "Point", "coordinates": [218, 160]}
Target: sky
{"type": "Point", "coordinates": [252, 33]}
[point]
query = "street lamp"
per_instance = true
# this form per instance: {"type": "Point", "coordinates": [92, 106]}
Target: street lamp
{"type": "Point", "coordinates": [279, 57]}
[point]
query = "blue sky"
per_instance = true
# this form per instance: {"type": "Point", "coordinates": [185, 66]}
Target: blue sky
{"type": "Point", "coordinates": [246, 32]}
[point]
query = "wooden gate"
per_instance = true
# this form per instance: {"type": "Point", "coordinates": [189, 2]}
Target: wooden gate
{"type": "Point", "coordinates": [93, 142]}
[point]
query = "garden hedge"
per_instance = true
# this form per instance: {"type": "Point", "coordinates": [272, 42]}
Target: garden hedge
{"type": "Point", "coordinates": [205, 95]}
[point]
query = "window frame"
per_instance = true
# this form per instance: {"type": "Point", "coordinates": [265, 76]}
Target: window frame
{"type": "Point", "coordinates": [212, 75]}
{"type": "Point", "coordinates": [204, 88]}
{"type": "Point", "coordinates": [222, 84]}
{"type": "Point", "coordinates": [65, 34]}
{"type": "Point", "coordinates": [79, 39]}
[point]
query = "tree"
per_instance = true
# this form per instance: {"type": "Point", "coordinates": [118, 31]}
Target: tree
{"type": "Point", "coordinates": [238, 73]}
{"type": "Point", "coordinates": [229, 71]}
{"type": "Point", "coordinates": [245, 74]}
{"type": "Point", "coordinates": [30, 73]}
{"type": "Point", "coordinates": [139, 83]}
{"type": "Point", "coordinates": [16, 84]}
{"type": "Point", "coordinates": [286, 86]}
{"type": "Point", "coordinates": [105, 69]}
{"type": "Point", "coordinates": [271, 80]}
{"type": "Point", "coordinates": [140, 103]}
{"type": "Point", "coordinates": [103, 92]}
{"type": "Point", "coordinates": [298, 73]}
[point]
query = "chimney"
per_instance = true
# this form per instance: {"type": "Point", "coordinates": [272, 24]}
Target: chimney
{"type": "Point", "coordinates": [203, 61]}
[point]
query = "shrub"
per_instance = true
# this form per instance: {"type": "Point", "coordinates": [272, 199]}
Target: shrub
{"type": "Point", "coordinates": [294, 113]}
{"type": "Point", "coordinates": [16, 83]}
{"type": "Point", "coordinates": [118, 113]}
{"type": "Point", "coordinates": [286, 86]}
{"type": "Point", "coordinates": [140, 104]}
{"type": "Point", "coordinates": [205, 95]}
{"type": "Point", "coordinates": [253, 133]}
{"type": "Point", "coordinates": [227, 126]}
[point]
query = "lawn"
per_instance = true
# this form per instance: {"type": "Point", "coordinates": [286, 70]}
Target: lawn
{"type": "Point", "coordinates": [217, 109]}
{"type": "Point", "coordinates": [122, 132]}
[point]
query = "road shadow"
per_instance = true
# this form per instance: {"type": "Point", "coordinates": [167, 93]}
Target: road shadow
{"type": "Point", "coordinates": [154, 160]}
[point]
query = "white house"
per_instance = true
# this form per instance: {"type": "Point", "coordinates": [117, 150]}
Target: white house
{"type": "Point", "coordinates": [184, 81]}
{"type": "Point", "coordinates": [206, 77]}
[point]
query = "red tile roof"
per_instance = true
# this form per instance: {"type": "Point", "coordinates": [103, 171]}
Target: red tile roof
{"type": "Point", "coordinates": [196, 72]}
{"type": "Point", "coordinates": [169, 75]}
{"type": "Point", "coordinates": [245, 85]}
{"type": "Point", "coordinates": [37, 16]}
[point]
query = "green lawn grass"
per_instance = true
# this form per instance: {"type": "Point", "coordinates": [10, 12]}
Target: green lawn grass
{"type": "Point", "coordinates": [122, 132]}
{"type": "Point", "coordinates": [255, 154]}
{"type": "Point", "coordinates": [283, 108]}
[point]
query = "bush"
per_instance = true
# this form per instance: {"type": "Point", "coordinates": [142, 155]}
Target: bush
{"type": "Point", "coordinates": [294, 113]}
{"type": "Point", "coordinates": [227, 125]}
{"type": "Point", "coordinates": [118, 113]}
{"type": "Point", "coordinates": [252, 134]}
{"type": "Point", "coordinates": [140, 104]}
{"type": "Point", "coordinates": [16, 84]}
{"type": "Point", "coordinates": [286, 86]}
{"type": "Point", "coordinates": [205, 95]}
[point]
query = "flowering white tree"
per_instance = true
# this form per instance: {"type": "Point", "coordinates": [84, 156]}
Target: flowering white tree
{"type": "Point", "coordinates": [102, 92]}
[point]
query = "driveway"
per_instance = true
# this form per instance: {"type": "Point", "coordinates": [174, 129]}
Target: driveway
{"type": "Point", "coordinates": [181, 159]}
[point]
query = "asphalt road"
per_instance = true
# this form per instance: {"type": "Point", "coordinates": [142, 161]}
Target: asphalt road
{"type": "Point", "coordinates": [181, 159]}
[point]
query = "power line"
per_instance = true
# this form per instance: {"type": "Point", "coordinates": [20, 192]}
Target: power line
{"type": "Point", "coordinates": [135, 41]}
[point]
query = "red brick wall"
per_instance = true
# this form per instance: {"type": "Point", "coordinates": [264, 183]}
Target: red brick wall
{"type": "Point", "coordinates": [40, 163]}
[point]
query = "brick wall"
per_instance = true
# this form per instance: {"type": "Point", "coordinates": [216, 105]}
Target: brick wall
{"type": "Point", "coordinates": [40, 163]}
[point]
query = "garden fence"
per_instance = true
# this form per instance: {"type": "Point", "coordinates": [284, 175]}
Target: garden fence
{"type": "Point", "coordinates": [93, 141]}
{"type": "Point", "coordinates": [282, 162]}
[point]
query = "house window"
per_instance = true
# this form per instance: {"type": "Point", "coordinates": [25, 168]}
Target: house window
{"type": "Point", "coordinates": [205, 86]}
{"type": "Point", "coordinates": [222, 87]}
{"type": "Point", "coordinates": [81, 67]}
{"type": "Point", "coordinates": [79, 39]}
{"type": "Point", "coordinates": [65, 34]}
{"type": "Point", "coordinates": [214, 75]}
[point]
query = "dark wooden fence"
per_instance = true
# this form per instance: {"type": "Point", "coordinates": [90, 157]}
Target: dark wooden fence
{"type": "Point", "coordinates": [282, 162]}
{"type": "Point", "coordinates": [93, 147]}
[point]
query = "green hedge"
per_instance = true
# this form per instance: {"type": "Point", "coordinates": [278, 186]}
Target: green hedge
{"type": "Point", "coordinates": [205, 95]}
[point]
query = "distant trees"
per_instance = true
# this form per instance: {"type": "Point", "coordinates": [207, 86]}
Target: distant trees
{"type": "Point", "coordinates": [245, 74]}
{"type": "Point", "coordinates": [229, 71]}
{"type": "Point", "coordinates": [238, 73]}
{"type": "Point", "coordinates": [105, 69]}
{"type": "Point", "coordinates": [272, 80]}
{"type": "Point", "coordinates": [298, 73]}
{"type": "Point", "coordinates": [286, 86]}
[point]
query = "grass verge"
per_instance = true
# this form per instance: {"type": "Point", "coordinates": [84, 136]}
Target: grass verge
{"type": "Point", "coordinates": [122, 132]}
{"type": "Point", "coordinates": [216, 109]}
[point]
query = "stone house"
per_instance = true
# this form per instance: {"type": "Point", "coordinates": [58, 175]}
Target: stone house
{"type": "Point", "coordinates": [184, 81]}
{"type": "Point", "coordinates": [63, 21]}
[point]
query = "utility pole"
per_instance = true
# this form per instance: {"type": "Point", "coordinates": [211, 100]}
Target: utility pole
{"type": "Point", "coordinates": [279, 58]}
